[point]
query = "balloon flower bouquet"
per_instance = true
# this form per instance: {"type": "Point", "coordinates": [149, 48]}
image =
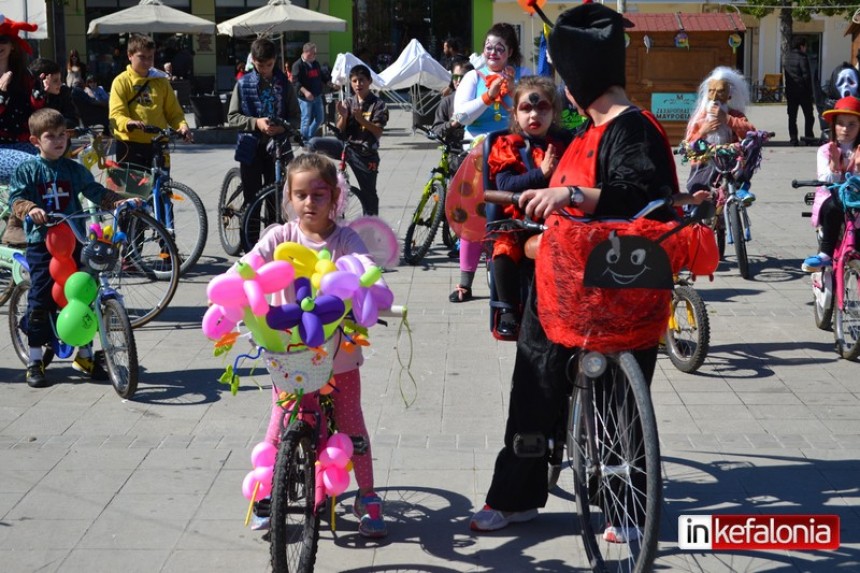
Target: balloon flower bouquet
{"type": "Point", "coordinates": [297, 341]}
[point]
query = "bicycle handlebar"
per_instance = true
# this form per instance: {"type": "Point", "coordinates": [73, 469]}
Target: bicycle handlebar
{"type": "Point", "coordinates": [795, 183]}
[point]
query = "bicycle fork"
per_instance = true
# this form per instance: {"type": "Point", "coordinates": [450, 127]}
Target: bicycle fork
{"type": "Point", "coordinates": [744, 218]}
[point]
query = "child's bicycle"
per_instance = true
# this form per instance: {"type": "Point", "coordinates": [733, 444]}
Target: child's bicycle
{"type": "Point", "coordinates": [688, 336]}
{"type": "Point", "coordinates": [610, 429]}
{"type": "Point", "coordinates": [114, 328]}
{"type": "Point", "coordinates": [843, 276]}
{"type": "Point", "coordinates": [733, 162]}
{"type": "Point", "coordinates": [148, 272]}
{"type": "Point", "coordinates": [430, 212]}
{"type": "Point", "coordinates": [174, 205]}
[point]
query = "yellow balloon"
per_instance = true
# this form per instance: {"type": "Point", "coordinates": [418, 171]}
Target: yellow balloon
{"type": "Point", "coordinates": [302, 258]}
{"type": "Point", "coordinates": [323, 267]}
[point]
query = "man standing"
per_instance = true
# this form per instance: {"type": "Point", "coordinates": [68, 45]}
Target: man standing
{"type": "Point", "coordinates": [307, 77]}
{"type": "Point", "coordinates": [798, 90]}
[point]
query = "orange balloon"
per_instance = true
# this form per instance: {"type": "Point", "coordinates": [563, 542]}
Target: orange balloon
{"type": "Point", "coordinates": [58, 295]}
{"type": "Point", "coordinates": [60, 240]}
{"type": "Point", "coordinates": [528, 5]}
{"type": "Point", "coordinates": [62, 268]}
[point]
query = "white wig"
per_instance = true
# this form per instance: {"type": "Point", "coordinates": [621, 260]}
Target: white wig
{"type": "Point", "coordinates": [738, 91]}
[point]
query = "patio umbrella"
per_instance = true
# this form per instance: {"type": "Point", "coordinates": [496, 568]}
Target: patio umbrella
{"type": "Point", "coordinates": [280, 16]}
{"type": "Point", "coordinates": [148, 17]}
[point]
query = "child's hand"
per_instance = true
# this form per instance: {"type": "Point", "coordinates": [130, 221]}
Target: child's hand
{"type": "Point", "coordinates": [342, 108]}
{"type": "Point", "coordinates": [550, 160]}
{"type": "Point", "coordinates": [854, 166]}
{"type": "Point", "coordinates": [700, 197]}
{"type": "Point", "coordinates": [51, 83]}
{"type": "Point", "coordinates": [186, 134]}
{"type": "Point", "coordinates": [38, 215]}
{"type": "Point", "coordinates": [836, 165]}
{"type": "Point", "coordinates": [5, 81]}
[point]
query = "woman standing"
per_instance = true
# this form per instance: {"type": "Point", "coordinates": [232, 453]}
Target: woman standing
{"type": "Point", "coordinates": [482, 103]}
{"type": "Point", "coordinates": [75, 70]}
{"type": "Point", "coordinates": [17, 99]}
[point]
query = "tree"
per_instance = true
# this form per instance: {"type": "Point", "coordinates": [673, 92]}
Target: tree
{"type": "Point", "coordinates": [791, 10]}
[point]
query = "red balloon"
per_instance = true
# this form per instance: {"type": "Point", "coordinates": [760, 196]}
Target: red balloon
{"type": "Point", "coordinates": [61, 241]}
{"type": "Point", "coordinates": [62, 268]}
{"type": "Point", "coordinates": [58, 295]}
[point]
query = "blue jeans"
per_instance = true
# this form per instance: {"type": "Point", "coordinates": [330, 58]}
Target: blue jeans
{"type": "Point", "coordinates": [312, 116]}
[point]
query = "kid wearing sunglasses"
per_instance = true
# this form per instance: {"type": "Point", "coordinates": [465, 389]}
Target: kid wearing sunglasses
{"type": "Point", "coordinates": [524, 159]}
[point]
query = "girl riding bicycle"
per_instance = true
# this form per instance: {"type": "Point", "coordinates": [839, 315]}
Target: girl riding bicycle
{"type": "Point", "coordinates": [836, 158]}
{"type": "Point", "coordinates": [313, 196]}
{"type": "Point", "coordinates": [605, 173]}
{"type": "Point", "coordinates": [535, 132]}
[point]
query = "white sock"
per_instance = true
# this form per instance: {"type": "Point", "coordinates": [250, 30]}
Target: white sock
{"type": "Point", "coordinates": [823, 256]}
{"type": "Point", "coordinates": [85, 351]}
{"type": "Point", "coordinates": [36, 354]}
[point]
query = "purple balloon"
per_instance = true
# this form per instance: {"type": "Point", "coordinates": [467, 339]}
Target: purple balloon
{"type": "Point", "coordinates": [284, 316]}
{"type": "Point", "coordinates": [329, 308]}
{"type": "Point", "coordinates": [303, 288]}
{"type": "Point", "coordinates": [311, 330]}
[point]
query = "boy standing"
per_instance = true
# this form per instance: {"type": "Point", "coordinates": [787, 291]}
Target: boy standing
{"type": "Point", "coordinates": [262, 93]}
{"type": "Point", "coordinates": [361, 118]}
{"type": "Point", "coordinates": [50, 183]}
{"type": "Point", "coordinates": [141, 96]}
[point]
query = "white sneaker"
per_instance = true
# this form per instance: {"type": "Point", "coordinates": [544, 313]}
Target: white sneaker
{"type": "Point", "coordinates": [489, 519]}
{"type": "Point", "coordinates": [614, 534]}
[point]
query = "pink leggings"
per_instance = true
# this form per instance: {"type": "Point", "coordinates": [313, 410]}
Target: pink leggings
{"type": "Point", "coordinates": [348, 418]}
{"type": "Point", "coordinates": [470, 254]}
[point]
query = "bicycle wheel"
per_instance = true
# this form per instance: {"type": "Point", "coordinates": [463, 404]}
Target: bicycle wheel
{"type": "Point", "coordinates": [190, 224]}
{"type": "Point", "coordinates": [449, 239]}
{"type": "Point", "coordinates": [146, 274]}
{"type": "Point", "coordinates": [119, 346]}
{"type": "Point", "coordinates": [847, 324]}
{"type": "Point", "coordinates": [231, 205]}
{"type": "Point", "coordinates": [612, 435]}
{"type": "Point", "coordinates": [352, 208]}
{"type": "Point", "coordinates": [7, 285]}
{"type": "Point", "coordinates": [740, 245]}
{"type": "Point", "coordinates": [18, 325]}
{"type": "Point", "coordinates": [263, 211]}
{"type": "Point", "coordinates": [425, 223]}
{"type": "Point", "coordinates": [294, 522]}
{"type": "Point", "coordinates": [822, 298]}
{"type": "Point", "coordinates": [689, 332]}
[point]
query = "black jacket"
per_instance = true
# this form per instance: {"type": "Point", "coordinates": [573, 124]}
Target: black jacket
{"type": "Point", "coordinates": [798, 76]}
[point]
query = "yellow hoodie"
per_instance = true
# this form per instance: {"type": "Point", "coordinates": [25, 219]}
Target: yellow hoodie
{"type": "Point", "coordinates": [157, 104]}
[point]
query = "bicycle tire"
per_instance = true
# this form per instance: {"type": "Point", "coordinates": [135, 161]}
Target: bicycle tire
{"type": "Point", "coordinates": [688, 335]}
{"type": "Point", "coordinates": [597, 491]}
{"type": "Point", "coordinates": [847, 323]}
{"type": "Point", "coordinates": [231, 205]}
{"type": "Point", "coordinates": [146, 274]}
{"type": "Point", "coordinates": [193, 222]}
{"type": "Point", "coordinates": [427, 216]}
{"type": "Point", "coordinates": [120, 348]}
{"type": "Point", "coordinates": [352, 207]}
{"type": "Point", "coordinates": [294, 542]}
{"type": "Point", "coordinates": [449, 239]}
{"type": "Point", "coordinates": [738, 239]}
{"type": "Point", "coordinates": [823, 299]}
{"type": "Point", "coordinates": [7, 285]}
{"type": "Point", "coordinates": [266, 209]}
{"type": "Point", "coordinates": [17, 325]}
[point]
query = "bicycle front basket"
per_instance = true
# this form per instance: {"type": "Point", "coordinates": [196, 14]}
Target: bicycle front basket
{"type": "Point", "coordinates": [129, 181]}
{"type": "Point", "coordinates": [308, 369]}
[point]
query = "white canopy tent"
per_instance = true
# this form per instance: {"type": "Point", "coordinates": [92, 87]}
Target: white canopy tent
{"type": "Point", "coordinates": [148, 17]}
{"type": "Point", "coordinates": [277, 17]}
{"type": "Point", "coordinates": [344, 63]}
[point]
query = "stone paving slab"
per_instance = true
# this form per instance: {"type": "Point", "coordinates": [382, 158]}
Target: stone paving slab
{"type": "Point", "coordinates": [771, 423]}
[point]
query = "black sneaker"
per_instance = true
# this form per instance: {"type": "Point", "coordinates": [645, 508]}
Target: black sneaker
{"type": "Point", "coordinates": [36, 374]}
{"type": "Point", "coordinates": [94, 366]}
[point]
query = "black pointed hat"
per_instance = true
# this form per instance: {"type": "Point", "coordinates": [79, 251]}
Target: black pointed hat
{"type": "Point", "coordinates": [587, 48]}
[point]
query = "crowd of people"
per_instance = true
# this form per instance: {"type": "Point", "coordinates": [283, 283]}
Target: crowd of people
{"type": "Point", "coordinates": [600, 170]}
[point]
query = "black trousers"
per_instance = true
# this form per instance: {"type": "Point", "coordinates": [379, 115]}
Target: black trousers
{"type": "Point", "coordinates": [808, 118]}
{"type": "Point", "coordinates": [831, 216]}
{"type": "Point", "coordinates": [538, 396]}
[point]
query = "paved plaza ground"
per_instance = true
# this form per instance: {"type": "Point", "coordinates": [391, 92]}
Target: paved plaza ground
{"type": "Point", "coordinates": [770, 424]}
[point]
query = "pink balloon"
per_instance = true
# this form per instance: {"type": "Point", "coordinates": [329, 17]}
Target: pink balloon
{"type": "Point", "coordinates": [264, 475]}
{"type": "Point", "coordinates": [248, 485]}
{"type": "Point", "coordinates": [335, 480]}
{"type": "Point", "coordinates": [341, 284]}
{"type": "Point", "coordinates": [215, 322]}
{"type": "Point", "coordinates": [255, 260]}
{"type": "Point", "coordinates": [263, 455]}
{"type": "Point", "coordinates": [275, 276]}
{"type": "Point", "coordinates": [332, 456]}
{"type": "Point", "coordinates": [256, 297]}
{"type": "Point", "coordinates": [226, 290]}
{"type": "Point", "coordinates": [341, 441]}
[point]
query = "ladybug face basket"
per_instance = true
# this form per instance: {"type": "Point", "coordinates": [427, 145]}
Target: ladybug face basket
{"type": "Point", "coordinates": [302, 369]}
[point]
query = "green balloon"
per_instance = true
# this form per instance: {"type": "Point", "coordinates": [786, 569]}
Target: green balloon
{"type": "Point", "coordinates": [76, 324]}
{"type": "Point", "coordinates": [81, 286]}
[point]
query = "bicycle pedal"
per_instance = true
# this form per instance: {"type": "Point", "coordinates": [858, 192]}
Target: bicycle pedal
{"type": "Point", "coordinates": [359, 445]}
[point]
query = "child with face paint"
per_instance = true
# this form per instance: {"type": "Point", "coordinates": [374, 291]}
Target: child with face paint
{"type": "Point", "coordinates": [719, 118]}
{"type": "Point", "coordinates": [525, 159]}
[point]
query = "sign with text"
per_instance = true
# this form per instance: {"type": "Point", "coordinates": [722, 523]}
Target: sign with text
{"type": "Point", "coordinates": [673, 106]}
{"type": "Point", "coordinates": [758, 532]}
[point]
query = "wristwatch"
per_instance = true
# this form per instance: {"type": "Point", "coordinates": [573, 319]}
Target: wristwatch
{"type": "Point", "coordinates": [577, 197]}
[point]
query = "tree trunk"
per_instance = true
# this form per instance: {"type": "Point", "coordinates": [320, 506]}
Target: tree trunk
{"type": "Point", "coordinates": [786, 28]}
